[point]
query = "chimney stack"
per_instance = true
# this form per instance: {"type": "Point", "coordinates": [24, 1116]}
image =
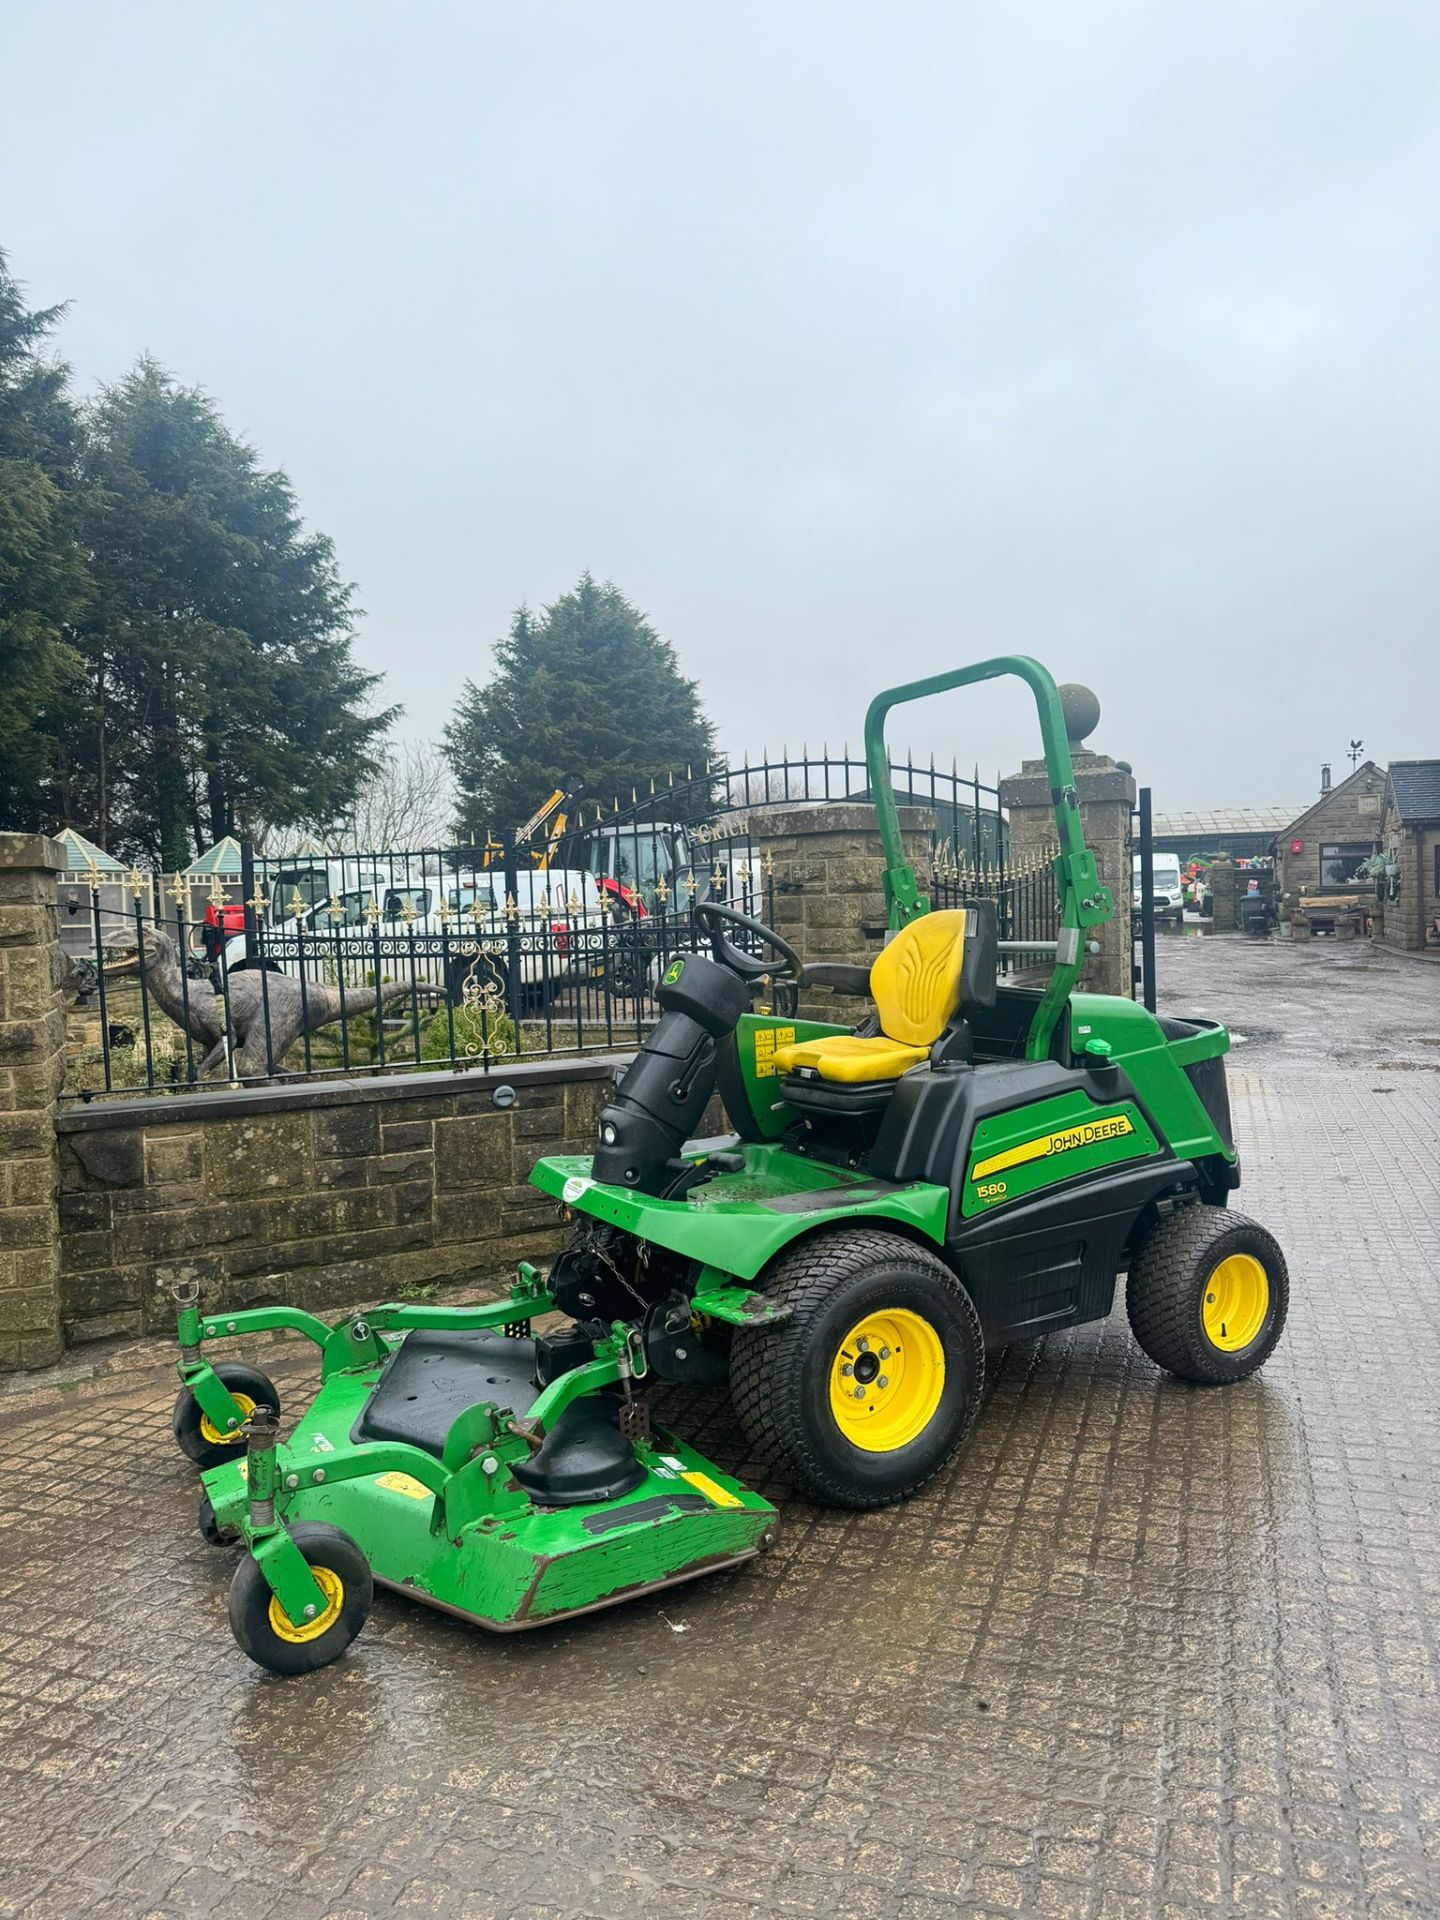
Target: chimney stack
{"type": "Point", "coordinates": [1324, 779]}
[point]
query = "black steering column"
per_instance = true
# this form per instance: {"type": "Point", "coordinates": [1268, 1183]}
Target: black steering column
{"type": "Point", "coordinates": [660, 1098]}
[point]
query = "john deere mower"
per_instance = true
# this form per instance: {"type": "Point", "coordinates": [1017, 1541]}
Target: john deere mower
{"type": "Point", "coordinates": [973, 1165]}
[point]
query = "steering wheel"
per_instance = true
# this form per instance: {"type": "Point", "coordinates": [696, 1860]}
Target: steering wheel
{"type": "Point", "coordinates": [713, 917]}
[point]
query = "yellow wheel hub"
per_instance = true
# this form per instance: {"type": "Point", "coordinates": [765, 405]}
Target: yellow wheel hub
{"type": "Point", "coordinates": [886, 1380]}
{"type": "Point", "coordinates": [333, 1588]}
{"type": "Point", "coordinates": [212, 1435]}
{"type": "Point", "coordinates": [1237, 1299]}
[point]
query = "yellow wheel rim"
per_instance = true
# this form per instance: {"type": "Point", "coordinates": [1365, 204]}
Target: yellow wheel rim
{"type": "Point", "coordinates": [333, 1588]}
{"type": "Point", "coordinates": [1237, 1299]}
{"type": "Point", "coordinates": [212, 1435]}
{"type": "Point", "coordinates": [886, 1380]}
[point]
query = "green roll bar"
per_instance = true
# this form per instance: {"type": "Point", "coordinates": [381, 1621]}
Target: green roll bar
{"type": "Point", "coordinates": [1084, 903]}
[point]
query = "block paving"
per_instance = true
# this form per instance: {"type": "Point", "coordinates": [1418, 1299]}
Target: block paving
{"type": "Point", "coordinates": [1144, 1650]}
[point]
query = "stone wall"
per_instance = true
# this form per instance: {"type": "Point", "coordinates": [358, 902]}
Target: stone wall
{"type": "Point", "coordinates": [1408, 922]}
{"type": "Point", "coordinates": [32, 1065]}
{"type": "Point", "coordinates": [320, 1195]}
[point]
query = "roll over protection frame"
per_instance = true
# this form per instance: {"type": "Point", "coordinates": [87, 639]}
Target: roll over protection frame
{"type": "Point", "coordinates": [1083, 901]}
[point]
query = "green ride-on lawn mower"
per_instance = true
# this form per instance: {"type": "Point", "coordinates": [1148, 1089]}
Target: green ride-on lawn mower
{"type": "Point", "coordinates": [974, 1165]}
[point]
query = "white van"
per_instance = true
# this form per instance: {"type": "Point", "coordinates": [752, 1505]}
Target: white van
{"type": "Point", "coordinates": [1167, 889]}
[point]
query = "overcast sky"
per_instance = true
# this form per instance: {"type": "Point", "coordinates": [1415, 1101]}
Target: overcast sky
{"type": "Point", "coordinates": [852, 342]}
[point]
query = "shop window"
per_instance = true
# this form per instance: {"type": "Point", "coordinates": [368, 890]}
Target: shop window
{"type": "Point", "coordinates": [1338, 863]}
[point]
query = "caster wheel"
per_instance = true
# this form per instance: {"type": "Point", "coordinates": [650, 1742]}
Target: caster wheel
{"type": "Point", "coordinates": [211, 1531]}
{"type": "Point", "coordinates": [271, 1640]}
{"type": "Point", "coordinates": [197, 1438]}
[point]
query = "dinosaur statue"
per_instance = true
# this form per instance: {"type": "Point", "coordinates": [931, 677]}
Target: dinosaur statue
{"type": "Point", "coordinates": [195, 1007]}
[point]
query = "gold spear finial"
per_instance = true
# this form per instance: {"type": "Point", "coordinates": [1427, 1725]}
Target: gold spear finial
{"type": "Point", "coordinates": [257, 903]}
{"type": "Point", "coordinates": [177, 889]}
{"type": "Point", "coordinates": [407, 911]}
{"type": "Point", "coordinates": [334, 909]}
{"type": "Point", "coordinates": [372, 910]}
{"type": "Point", "coordinates": [662, 892]}
{"type": "Point", "coordinates": [216, 895]}
{"type": "Point", "coordinates": [137, 881]}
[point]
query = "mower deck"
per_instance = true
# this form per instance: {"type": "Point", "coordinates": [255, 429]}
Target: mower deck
{"type": "Point", "coordinates": [527, 1562]}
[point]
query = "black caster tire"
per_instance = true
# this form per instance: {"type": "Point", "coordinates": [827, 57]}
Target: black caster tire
{"type": "Point", "coordinates": [1207, 1295]}
{"type": "Point", "coordinates": [211, 1531]}
{"type": "Point", "coordinates": [197, 1439]}
{"type": "Point", "coordinates": [874, 1380]}
{"type": "Point", "coordinates": [260, 1627]}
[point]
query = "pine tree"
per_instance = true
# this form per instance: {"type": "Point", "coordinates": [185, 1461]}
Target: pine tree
{"type": "Point", "coordinates": [589, 690]}
{"type": "Point", "coordinates": [219, 685]}
{"type": "Point", "coordinates": [42, 576]}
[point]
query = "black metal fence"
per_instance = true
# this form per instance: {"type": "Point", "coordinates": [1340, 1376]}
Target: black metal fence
{"type": "Point", "coordinates": [318, 964]}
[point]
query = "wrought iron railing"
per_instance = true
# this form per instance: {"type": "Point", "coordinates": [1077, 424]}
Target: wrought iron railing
{"type": "Point", "coordinates": [321, 964]}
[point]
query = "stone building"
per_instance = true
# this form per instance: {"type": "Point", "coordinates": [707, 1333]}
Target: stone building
{"type": "Point", "coordinates": [1319, 851]}
{"type": "Point", "coordinates": [1409, 912]}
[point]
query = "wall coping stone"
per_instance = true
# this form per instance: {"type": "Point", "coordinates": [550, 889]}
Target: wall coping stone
{"type": "Point", "coordinates": [185, 1109]}
{"type": "Point", "coordinates": [32, 850]}
{"type": "Point", "coordinates": [771, 822]}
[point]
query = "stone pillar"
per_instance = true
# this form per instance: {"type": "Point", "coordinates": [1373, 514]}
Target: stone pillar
{"type": "Point", "coordinates": [1107, 795]}
{"type": "Point", "coordinates": [32, 1067]}
{"type": "Point", "coordinates": [1225, 891]}
{"type": "Point", "coordinates": [828, 900]}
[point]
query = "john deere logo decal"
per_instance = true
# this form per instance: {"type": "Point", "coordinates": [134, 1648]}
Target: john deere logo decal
{"type": "Point", "coordinates": [1113, 1127]}
{"type": "Point", "coordinates": [673, 972]}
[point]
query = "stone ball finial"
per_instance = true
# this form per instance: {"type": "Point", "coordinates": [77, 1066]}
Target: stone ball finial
{"type": "Point", "coordinates": [1081, 711]}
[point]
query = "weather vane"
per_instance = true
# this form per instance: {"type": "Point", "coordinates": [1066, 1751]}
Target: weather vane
{"type": "Point", "coordinates": [1357, 747]}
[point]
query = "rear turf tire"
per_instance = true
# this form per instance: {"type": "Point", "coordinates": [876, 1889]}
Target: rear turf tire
{"type": "Point", "coordinates": [195, 1436]}
{"type": "Point", "coordinates": [1207, 1295]}
{"type": "Point", "coordinates": [260, 1627]}
{"type": "Point", "coordinates": [787, 1382]}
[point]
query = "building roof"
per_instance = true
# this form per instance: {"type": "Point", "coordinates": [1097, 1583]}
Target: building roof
{"type": "Point", "coordinates": [81, 853]}
{"type": "Point", "coordinates": [1366, 768]}
{"type": "Point", "coordinates": [1415, 785]}
{"type": "Point", "coordinates": [1199, 826]}
{"type": "Point", "coordinates": [223, 857]}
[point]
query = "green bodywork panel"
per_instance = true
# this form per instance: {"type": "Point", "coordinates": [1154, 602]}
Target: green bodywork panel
{"type": "Point", "coordinates": [1156, 1066]}
{"type": "Point", "coordinates": [738, 1222]}
{"type": "Point", "coordinates": [1014, 1155]}
{"type": "Point", "coordinates": [756, 1037]}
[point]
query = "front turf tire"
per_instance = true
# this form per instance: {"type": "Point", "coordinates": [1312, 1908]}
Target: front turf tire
{"type": "Point", "coordinates": [197, 1439]}
{"type": "Point", "coordinates": [260, 1626]}
{"type": "Point", "coordinates": [791, 1383]}
{"type": "Point", "coordinates": [1207, 1295]}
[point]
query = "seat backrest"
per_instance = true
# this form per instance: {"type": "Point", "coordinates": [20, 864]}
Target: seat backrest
{"type": "Point", "coordinates": [915, 980]}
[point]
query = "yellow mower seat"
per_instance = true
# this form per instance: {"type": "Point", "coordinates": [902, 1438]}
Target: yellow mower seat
{"type": "Point", "coordinates": [850, 1058]}
{"type": "Point", "coordinates": [916, 984]}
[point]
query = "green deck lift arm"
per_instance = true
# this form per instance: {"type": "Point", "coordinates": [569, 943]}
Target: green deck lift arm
{"type": "Point", "coordinates": [1084, 903]}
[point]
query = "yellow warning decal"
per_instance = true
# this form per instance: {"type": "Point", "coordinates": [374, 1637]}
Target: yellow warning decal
{"type": "Point", "coordinates": [1064, 1141]}
{"type": "Point", "coordinates": [767, 1039]}
{"type": "Point", "coordinates": [713, 1492]}
{"type": "Point", "coordinates": [403, 1483]}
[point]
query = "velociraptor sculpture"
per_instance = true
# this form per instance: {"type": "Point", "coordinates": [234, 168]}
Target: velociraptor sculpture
{"type": "Point", "coordinates": [197, 1009]}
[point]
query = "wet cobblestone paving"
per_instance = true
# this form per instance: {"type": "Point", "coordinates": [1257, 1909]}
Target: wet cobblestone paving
{"type": "Point", "coordinates": [1144, 1650]}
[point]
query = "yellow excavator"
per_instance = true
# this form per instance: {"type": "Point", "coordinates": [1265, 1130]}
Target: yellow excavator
{"type": "Point", "coordinates": [550, 821]}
